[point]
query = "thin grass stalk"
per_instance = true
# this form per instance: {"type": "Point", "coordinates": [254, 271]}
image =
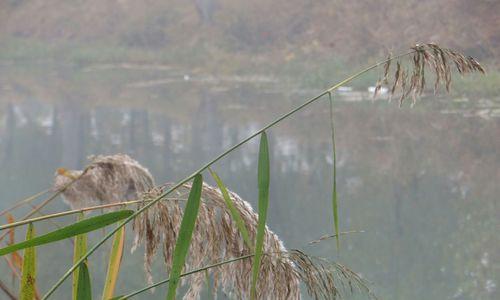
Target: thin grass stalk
{"type": "Point", "coordinates": [325, 237]}
{"type": "Point", "coordinates": [56, 225]}
{"type": "Point", "coordinates": [24, 201]}
{"type": "Point", "coordinates": [47, 201]}
{"type": "Point", "coordinates": [213, 161]}
{"type": "Point", "coordinates": [12, 267]}
{"type": "Point", "coordinates": [6, 290]}
{"type": "Point", "coordinates": [69, 212]}
{"type": "Point", "coordinates": [42, 214]}
{"type": "Point", "coordinates": [57, 193]}
{"type": "Point", "coordinates": [130, 295]}
{"type": "Point", "coordinates": [334, 178]}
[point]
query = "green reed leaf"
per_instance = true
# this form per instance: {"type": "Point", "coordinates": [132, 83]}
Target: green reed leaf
{"type": "Point", "coordinates": [77, 228]}
{"type": "Point", "coordinates": [234, 212]}
{"type": "Point", "coordinates": [263, 175]}
{"type": "Point", "coordinates": [28, 279]}
{"type": "Point", "coordinates": [115, 260]}
{"type": "Point", "coordinates": [185, 234]}
{"type": "Point", "coordinates": [80, 248]}
{"type": "Point", "coordinates": [84, 290]}
{"type": "Point", "coordinates": [334, 173]}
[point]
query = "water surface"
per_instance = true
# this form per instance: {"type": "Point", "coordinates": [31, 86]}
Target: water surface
{"type": "Point", "coordinates": [422, 182]}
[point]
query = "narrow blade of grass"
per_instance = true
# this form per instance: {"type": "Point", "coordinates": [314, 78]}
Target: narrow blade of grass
{"type": "Point", "coordinates": [334, 173]}
{"type": "Point", "coordinates": [24, 201]}
{"type": "Point", "coordinates": [77, 228]}
{"type": "Point", "coordinates": [328, 236]}
{"type": "Point", "coordinates": [263, 175]}
{"type": "Point", "coordinates": [234, 212]}
{"type": "Point", "coordinates": [28, 279]}
{"type": "Point", "coordinates": [80, 248]}
{"type": "Point", "coordinates": [115, 260]}
{"type": "Point", "coordinates": [6, 291]}
{"type": "Point", "coordinates": [84, 290]}
{"type": "Point", "coordinates": [185, 234]}
{"type": "Point", "coordinates": [37, 208]}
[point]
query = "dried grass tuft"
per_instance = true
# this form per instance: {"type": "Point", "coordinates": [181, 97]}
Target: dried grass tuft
{"type": "Point", "coordinates": [107, 179]}
{"type": "Point", "coordinates": [326, 280]}
{"type": "Point", "coordinates": [410, 80]}
{"type": "Point", "coordinates": [217, 238]}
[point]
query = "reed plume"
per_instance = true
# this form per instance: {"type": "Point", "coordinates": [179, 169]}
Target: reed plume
{"type": "Point", "coordinates": [409, 78]}
{"type": "Point", "coordinates": [107, 179]}
{"type": "Point", "coordinates": [324, 279]}
{"type": "Point", "coordinates": [216, 237]}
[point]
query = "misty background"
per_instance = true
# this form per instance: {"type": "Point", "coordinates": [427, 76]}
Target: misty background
{"type": "Point", "coordinates": [173, 83]}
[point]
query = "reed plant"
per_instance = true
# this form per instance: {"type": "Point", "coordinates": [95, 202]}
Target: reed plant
{"type": "Point", "coordinates": [202, 230]}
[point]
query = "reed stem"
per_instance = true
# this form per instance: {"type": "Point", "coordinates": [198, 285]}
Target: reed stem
{"type": "Point", "coordinates": [24, 201]}
{"type": "Point", "coordinates": [213, 161]}
{"type": "Point", "coordinates": [47, 201]}
{"type": "Point", "coordinates": [65, 213]}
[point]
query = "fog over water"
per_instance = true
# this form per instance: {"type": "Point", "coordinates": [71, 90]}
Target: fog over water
{"type": "Point", "coordinates": [421, 183]}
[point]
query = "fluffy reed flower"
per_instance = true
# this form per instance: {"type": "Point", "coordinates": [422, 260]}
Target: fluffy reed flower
{"type": "Point", "coordinates": [107, 179]}
{"type": "Point", "coordinates": [326, 280]}
{"type": "Point", "coordinates": [409, 78]}
{"type": "Point", "coordinates": [217, 238]}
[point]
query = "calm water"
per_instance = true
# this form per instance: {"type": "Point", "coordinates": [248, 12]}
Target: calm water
{"type": "Point", "coordinates": [422, 183]}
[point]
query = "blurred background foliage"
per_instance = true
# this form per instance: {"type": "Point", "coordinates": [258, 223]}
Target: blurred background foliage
{"type": "Point", "coordinates": [273, 31]}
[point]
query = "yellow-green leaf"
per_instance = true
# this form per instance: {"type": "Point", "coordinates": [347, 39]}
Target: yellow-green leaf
{"type": "Point", "coordinates": [185, 234]}
{"type": "Point", "coordinates": [234, 212]}
{"type": "Point", "coordinates": [115, 260]}
{"type": "Point", "coordinates": [28, 278]}
{"type": "Point", "coordinates": [263, 176]}
{"type": "Point", "coordinates": [80, 248]}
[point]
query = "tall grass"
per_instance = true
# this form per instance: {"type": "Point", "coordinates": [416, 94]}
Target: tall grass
{"type": "Point", "coordinates": [320, 279]}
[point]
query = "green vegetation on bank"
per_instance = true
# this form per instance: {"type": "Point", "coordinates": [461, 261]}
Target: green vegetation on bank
{"type": "Point", "coordinates": [299, 69]}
